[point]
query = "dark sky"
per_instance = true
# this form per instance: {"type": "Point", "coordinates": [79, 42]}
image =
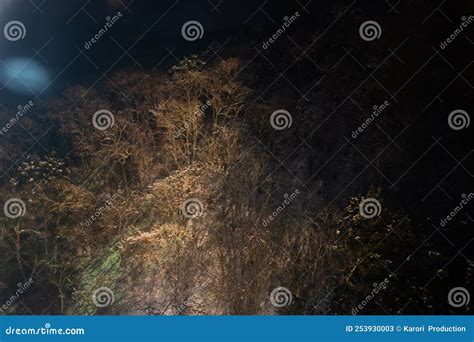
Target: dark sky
{"type": "Point", "coordinates": [147, 34]}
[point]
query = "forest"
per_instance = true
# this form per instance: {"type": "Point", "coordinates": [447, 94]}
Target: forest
{"type": "Point", "coordinates": [301, 165]}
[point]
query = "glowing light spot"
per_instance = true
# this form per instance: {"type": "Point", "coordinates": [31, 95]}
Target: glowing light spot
{"type": "Point", "coordinates": [24, 76]}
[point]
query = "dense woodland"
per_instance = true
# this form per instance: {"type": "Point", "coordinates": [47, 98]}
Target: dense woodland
{"type": "Point", "coordinates": [104, 207]}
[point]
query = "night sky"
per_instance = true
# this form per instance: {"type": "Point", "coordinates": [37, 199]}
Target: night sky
{"type": "Point", "coordinates": [324, 71]}
{"type": "Point", "coordinates": [147, 36]}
